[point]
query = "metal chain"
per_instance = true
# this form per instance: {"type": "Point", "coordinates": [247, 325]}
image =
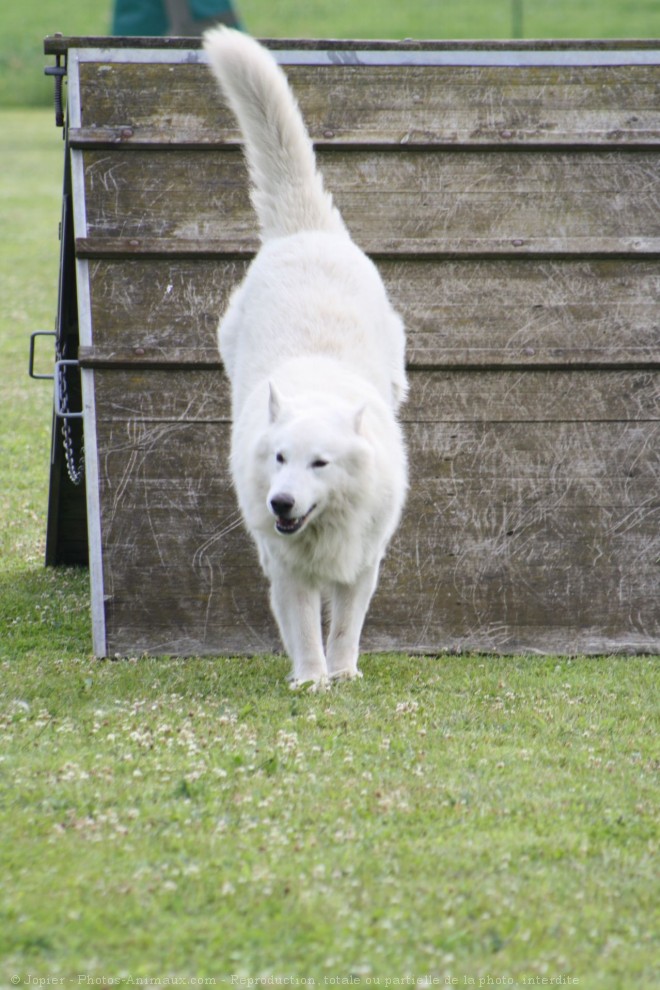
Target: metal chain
{"type": "Point", "coordinates": [76, 471]}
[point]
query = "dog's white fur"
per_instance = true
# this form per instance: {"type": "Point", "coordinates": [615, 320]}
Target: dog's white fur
{"type": "Point", "coordinates": [315, 356]}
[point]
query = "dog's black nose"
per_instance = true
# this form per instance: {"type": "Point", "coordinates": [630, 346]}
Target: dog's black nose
{"type": "Point", "coordinates": [282, 504]}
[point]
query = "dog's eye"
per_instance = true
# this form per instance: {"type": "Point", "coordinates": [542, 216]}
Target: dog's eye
{"type": "Point", "coordinates": [279, 457]}
{"type": "Point", "coordinates": [319, 463]}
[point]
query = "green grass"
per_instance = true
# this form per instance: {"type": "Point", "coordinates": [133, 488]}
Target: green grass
{"type": "Point", "coordinates": [451, 18]}
{"type": "Point", "coordinates": [30, 197]}
{"type": "Point", "coordinates": [455, 817]}
{"type": "Point", "coordinates": [23, 26]}
{"type": "Point", "coordinates": [465, 819]}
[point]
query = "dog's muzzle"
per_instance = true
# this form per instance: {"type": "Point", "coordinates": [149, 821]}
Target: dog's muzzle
{"type": "Point", "coordinates": [282, 507]}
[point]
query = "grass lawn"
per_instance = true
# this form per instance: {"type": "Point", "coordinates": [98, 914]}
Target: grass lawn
{"type": "Point", "coordinates": [467, 821]}
{"type": "Point", "coordinates": [24, 25]}
{"type": "Point", "coordinates": [457, 818]}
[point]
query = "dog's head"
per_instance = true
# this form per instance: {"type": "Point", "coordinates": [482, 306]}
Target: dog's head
{"type": "Point", "coordinates": [316, 460]}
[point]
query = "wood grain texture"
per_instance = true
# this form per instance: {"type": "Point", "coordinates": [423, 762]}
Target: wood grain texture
{"type": "Point", "coordinates": [502, 545]}
{"type": "Point", "coordinates": [506, 312]}
{"type": "Point", "coordinates": [522, 508]}
{"type": "Point", "coordinates": [589, 247]}
{"type": "Point", "coordinates": [371, 105]}
{"type": "Point", "coordinates": [150, 395]}
{"type": "Point", "coordinates": [432, 197]}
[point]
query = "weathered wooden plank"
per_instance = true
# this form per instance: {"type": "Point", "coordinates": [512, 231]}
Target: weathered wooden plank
{"type": "Point", "coordinates": [603, 305]}
{"type": "Point", "coordinates": [163, 303]}
{"type": "Point", "coordinates": [599, 458]}
{"type": "Point", "coordinates": [181, 629]}
{"type": "Point", "coordinates": [448, 248]}
{"type": "Point", "coordinates": [154, 311]}
{"type": "Point", "coordinates": [432, 198]}
{"type": "Point", "coordinates": [518, 396]}
{"type": "Point", "coordinates": [559, 551]}
{"type": "Point", "coordinates": [163, 397]}
{"type": "Point", "coordinates": [59, 44]}
{"type": "Point", "coordinates": [458, 608]}
{"type": "Point", "coordinates": [137, 105]}
{"type": "Point", "coordinates": [513, 358]}
{"type": "Point", "coordinates": [562, 468]}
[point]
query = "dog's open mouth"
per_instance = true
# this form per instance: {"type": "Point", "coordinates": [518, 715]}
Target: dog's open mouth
{"type": "Point", "coordinates": [294, 525]}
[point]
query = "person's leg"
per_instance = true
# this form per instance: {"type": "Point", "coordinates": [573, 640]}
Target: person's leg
{"type": "Point", "coordinates": [139, 18]}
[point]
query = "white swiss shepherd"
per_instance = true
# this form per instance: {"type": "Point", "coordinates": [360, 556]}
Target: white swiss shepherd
{"type": "Point", "coordinates": [315, 356]}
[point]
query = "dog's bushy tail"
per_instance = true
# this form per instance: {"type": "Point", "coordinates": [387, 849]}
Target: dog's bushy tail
{"type": "Point", "coordinates": [287, 189]}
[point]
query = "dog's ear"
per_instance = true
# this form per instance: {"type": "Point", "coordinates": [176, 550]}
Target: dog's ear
{"type": "Point", "coordinates": [274, 403]}
{"type": "Point", "coordinates": [358, 418]}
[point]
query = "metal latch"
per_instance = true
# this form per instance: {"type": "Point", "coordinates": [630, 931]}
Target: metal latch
{"type": "Point", "coordinates": [62, 410]}
{"type": "Point", "coordinates": [33, 337]}
{"type": "Point", "coordinates": [75, 462]}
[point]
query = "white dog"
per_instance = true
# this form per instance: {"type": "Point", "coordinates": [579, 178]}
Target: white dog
{"type": "Point", "coordinates": [315, 356]}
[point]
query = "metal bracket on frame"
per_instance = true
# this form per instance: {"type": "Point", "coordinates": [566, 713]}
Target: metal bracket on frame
{"type": "Point", "coordinates": [61, 398]}
{"type": "Point", "coordinates": [31, 372]}
{"type": "Point", "coordinates": [58, 71]}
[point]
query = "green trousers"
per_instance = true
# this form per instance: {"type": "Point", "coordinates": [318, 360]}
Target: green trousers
{"type": "Point", "coordinates": [187, 18]}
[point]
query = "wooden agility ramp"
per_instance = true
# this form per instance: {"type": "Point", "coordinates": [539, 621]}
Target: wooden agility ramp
{"type": "Point", "coordinates": [509, 195]}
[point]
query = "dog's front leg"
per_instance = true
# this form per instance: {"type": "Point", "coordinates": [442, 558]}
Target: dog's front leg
{"type": "Point", "coordinates": [349, 604]}
{"type": "Point", "coordinates": [298, 613]}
